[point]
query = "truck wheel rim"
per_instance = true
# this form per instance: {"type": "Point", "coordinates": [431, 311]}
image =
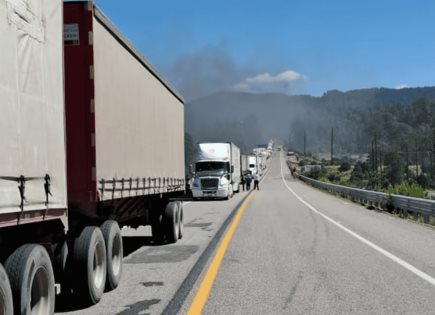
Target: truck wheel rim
{"type": "Point", "coordinates": [2, 304]}
{"type": "Point", "coordinates": [180, 231]}
{"type": "Point", "coordinates": [40, 300]}
{"type": "Point", "coordinates": [177, 221]}
{"type": "Point", "coordinates": [98, 265]}
{"type": "Point", "coordinates": [116, 255]}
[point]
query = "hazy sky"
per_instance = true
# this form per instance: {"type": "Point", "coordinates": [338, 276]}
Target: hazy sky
{"type": "Point", "coordinates": [293, 46]}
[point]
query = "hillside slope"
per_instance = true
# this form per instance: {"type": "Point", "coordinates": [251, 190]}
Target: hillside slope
{"type": "Point", "coordinates": [250, 119]}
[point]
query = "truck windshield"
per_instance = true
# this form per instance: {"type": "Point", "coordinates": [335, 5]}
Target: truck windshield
{"type": "Point", "coordinates": [211, 166]}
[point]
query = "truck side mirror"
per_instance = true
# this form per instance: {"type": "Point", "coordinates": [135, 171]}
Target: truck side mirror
{"type": "Point", "coordinates": [232, 169]}
{"type": "Point", "coordinates": [191, 169]}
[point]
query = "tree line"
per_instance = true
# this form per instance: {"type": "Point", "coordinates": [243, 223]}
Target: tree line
{"type": "Point", "coordinates": [397, 143]}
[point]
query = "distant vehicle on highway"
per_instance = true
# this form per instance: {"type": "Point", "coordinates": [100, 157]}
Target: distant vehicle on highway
{"type": "Point", "coordinates": [253, 164]}
{"type": "Point", "coordinates": [244, 164]}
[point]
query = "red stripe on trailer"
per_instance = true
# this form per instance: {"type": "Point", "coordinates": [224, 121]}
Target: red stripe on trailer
{"type": "Point", "coordinates": [79, 96]}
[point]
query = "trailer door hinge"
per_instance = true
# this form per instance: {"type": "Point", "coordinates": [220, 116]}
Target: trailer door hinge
{"type": "Point", "coordinates": [91, 38]}
{"type": "Point", "coordinates": [92, 106]}
{"type": "Point", "coordinates": [89, 6]}
{"type": "Point", "coordinates": [91, 72]}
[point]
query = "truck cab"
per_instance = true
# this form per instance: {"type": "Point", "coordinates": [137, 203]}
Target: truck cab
{"type": "Point", "coordinates": [214, 173]}
{"type": "Point", "coordinates": [211, 179]}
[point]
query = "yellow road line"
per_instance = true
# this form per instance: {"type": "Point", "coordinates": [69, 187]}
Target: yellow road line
{"type": "Point", "coordinates": [208, 280]}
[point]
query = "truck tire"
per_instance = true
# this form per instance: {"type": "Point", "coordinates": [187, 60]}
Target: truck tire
{"type": "Point", "coordinates": [171, 222]}
{"type": "Point", "coordinates": [6, 304]}
{"type": "Point", "coordinates": [89, 261]}
{"type": "Point", "coordinates": [32, 280]}
{"type": "Point", "coordinates": [114, 253]}
{"type": "Point", "coordinates": [157, 229]}
{"type": "Point", "coordinates": [180, 220]}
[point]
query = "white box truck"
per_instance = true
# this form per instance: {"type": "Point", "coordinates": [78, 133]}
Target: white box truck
{"type": "Point", "coordinates": [244, 164]}
{"type": "Point", "coordinates": [217, 171]}
{"type": "Point", "coordinates": [253, 164]}
{"type": "Point", "coordinates": [263, 160]}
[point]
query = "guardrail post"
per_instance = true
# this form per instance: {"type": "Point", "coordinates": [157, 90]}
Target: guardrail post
{"type": "Point", "coordinates": [405, 212]}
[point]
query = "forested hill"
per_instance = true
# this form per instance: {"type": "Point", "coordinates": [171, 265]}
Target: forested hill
{"type": "Point", "coordinates": [357, 117]}
{"type": "Point", "coordinates": [376, 96]}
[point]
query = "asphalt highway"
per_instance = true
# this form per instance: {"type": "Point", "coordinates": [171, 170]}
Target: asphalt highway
{"type": "Point", "coordinates": [298, 250]}
{"type": "Point", "coordinates": [285, 249]}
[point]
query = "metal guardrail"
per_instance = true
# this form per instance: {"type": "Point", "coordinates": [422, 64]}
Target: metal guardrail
{"type": "Point", "coordinates": [402, 204]}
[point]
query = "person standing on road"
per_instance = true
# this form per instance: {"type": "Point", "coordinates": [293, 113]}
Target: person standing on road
{"type": "Point", "coordinates": [242, 182]}
{"type": "Point", "coordinates": [256, 181]}
{"type": "Point", "coordinates": [248, 179]}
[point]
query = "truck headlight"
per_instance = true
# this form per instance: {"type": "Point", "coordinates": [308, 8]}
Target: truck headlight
{"type": "Point", "coordinates": [224, 180]}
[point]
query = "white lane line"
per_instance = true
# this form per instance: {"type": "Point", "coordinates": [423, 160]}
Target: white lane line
{"type": "Point", "coordinates": [379, 249]}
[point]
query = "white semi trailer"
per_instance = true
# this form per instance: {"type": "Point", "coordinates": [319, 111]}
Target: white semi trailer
{"type": "Point", "coordinates": [33, 188]}
{"type": "Point", "coordinates": [253, 164]}
{"type": "Point", "coordinates": [217, 171]}
{"type": "Point", "coordinates": [262, 157]}
{"type": "Point", "coordinates": [244, 164]}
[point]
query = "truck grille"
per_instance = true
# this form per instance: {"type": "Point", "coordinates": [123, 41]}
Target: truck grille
{"type": "Point", "coordinates": [209, 183]}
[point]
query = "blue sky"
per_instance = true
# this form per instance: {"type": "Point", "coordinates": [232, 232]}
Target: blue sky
{"type": "Point", "coordinates": [294, 46]}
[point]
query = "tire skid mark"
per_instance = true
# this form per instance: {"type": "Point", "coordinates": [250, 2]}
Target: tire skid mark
{"type": "Point", "coordinates": [292, 292]}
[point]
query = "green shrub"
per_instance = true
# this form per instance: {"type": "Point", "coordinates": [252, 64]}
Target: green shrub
{"type": "Point", "coordinates": [344, 166]}
{"type": "Point", "coordinates": [333, 177]}
{"type": "Point", "coordinates": [314, 173]}
{"type": "Point", "coordinates": [406, 189]}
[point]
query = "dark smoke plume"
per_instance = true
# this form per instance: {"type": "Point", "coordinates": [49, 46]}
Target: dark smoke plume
{"type": "Point", "coordinates": [205, 72]}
